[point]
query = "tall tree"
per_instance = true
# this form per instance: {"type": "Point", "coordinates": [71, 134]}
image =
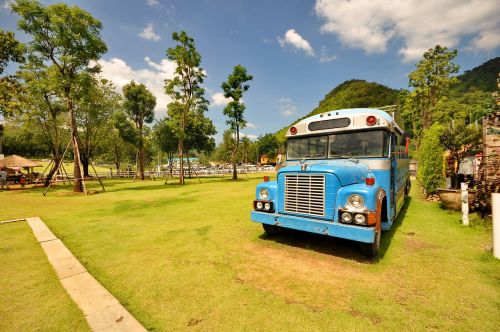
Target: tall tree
{"type": "Point", "coordinates": [42, 108]}
{"type": "Point", "coordinates": [225, 149]}
{"type": "Point", "coordinates": [199, 135]}
{"type": "Point", "coordinates": [10, 51]}
{"type": "Point", "coordinates": [431, 81]}
{"type": "Point", "coordinates": [67, 38]}
{"type": "Point", "coordinates": [97, 102]}
{"type": "Point", "coordinates": [268, 145]}
{"type": "Point", "coordinates": [461, 141]}
{"type": "Point", "coordinates": [166, 139]}
{"type": "Point", "coordinates": [233, 89]}
{"type": "Point", "coordinates": [139, 105]}
{"type": "Point", "coordinates": [185, 89]}
{"type": "Point", "coordinates": [245, 147]}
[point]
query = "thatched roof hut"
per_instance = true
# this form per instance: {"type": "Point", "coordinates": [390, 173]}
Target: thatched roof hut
{"type": "Point", "coordinates": [17, 161]}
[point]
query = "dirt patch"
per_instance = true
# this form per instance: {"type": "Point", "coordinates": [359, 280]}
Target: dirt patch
{"type": "Point", "coordinates": [417, 245]}
{"type": "Point", "coordinates": [194, 321]}
{"type": "Point", "coordinates": [300, 276]}
{"type": "Point", "coordinates": [359, 314]}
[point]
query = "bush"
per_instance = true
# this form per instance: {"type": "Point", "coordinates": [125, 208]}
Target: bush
{"type": "Point", "coordinates": [430, 160]}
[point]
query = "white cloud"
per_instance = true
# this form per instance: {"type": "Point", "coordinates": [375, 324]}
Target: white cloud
{"type": "Point", "coordinates": [153, 3]}
{"type": "Point", "coordinates": [120, 73]}
{"type": "Point", "coordinates": [296, 41]}
{"type": "Point", "coordinates": [149, 34]}
{"type": "Point", "coordinates": [218, 99]}
{"type": "Point", "coordinates": [287, 107]}
{"type": "Point", "coordinates": [251, 125]}
{"type": "Point", "coordinates": [325, 57]}
{"type": "Point", "coordinates": [6, 5]}
{"type": "Point", "coordinates": [250, 136]}
{"type": "Point", "coordinates": [487, 40]}
{"type": "Point", "coordinates": [420, 24]}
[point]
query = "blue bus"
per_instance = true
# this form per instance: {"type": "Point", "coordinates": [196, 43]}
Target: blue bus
{"type": "Point", "coordinates": [346, 175]}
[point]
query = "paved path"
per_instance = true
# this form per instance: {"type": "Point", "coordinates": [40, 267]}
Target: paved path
{"type": "Point", "coordinates": [102, 311]}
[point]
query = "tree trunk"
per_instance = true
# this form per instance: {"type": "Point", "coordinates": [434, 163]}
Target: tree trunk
{"type": "Point", "coordinates": [117, 155]}
{"type": "Point", "coordinates": [77, 172]}
{"type": "Point", "coordinates": [55, 167]}
{"type": "Point", "coordinates": [141, 161]}
{"type": "Point", "coordinates": [181, 156]}
{"type": "Point", "coordinates": [235, 153]}
{"type": "Point", "coordinates": [85, 165]}
{"type": "Point", "coordinates": [189, 165]}
{"type": "Point", "coordinates": [235, 172]}
{"type": "Point", "coordinates": [171, 164]}
{"type": "Point", "coordinates": [141, 153]}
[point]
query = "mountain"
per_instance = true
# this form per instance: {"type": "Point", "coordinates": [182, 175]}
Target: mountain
{"type": "Point", "coordinates": [481, 78]}
{"type": "Point", "coordinates": [352, 94]}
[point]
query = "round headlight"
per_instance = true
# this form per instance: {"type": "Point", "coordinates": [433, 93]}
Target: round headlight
{"type": "Point", "coordinates": [359, 219]}
{"type": "Point", "coordinates": [346, 217]}
{"type": "Point", "coordinates": [267, 206]}
{"type": "Point", "coordinates": [259, 205]}
{"type": "Point", "coordinates": [264, 193]}
{"type": "Point", "coordinates": [356, 201]}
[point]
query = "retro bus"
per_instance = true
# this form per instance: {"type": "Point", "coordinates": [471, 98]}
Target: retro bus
{"type": "Point", "coordinates": [346, 175]}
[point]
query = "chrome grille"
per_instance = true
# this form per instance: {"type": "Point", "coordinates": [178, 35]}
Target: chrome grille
{"type": "Point", "coordinates": [305, 194]}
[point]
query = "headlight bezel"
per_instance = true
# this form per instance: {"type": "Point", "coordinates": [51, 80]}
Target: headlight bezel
{"type": "Point", "coordinates": [264, 194]}
{"type": "Point", "coordinates": [356, 201]}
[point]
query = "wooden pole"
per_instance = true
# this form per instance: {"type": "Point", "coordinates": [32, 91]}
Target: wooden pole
{"type": "Point", "coordinates": [102, 185]}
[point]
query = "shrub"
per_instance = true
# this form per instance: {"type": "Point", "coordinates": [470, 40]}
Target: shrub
{"type": "Point", "coordinates": [430, 160]}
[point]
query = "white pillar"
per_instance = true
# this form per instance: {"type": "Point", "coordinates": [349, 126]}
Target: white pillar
{"type": "Point", "coordinates": [465, 203]}
{"type": "Point", "coordinates": [495, 208]}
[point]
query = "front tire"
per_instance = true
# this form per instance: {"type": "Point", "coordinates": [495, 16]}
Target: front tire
{"type": "Point", "coordinates": [271, 229]}
{"type": "Point", "coordinates": [371, 250]}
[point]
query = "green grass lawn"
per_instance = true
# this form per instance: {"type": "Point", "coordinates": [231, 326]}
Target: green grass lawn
{"type": "Point", "coordinates": [31, 297]}
{"type": "Point", "coordinates": [69, 168]}
{"type": "Point", "coordinates": [188, 258]}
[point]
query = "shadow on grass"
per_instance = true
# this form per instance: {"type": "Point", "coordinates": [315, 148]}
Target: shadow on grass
{"type": "Point", "coordinates": [389, 234]}
{"type": "Point", "coordinates": [336, 246]}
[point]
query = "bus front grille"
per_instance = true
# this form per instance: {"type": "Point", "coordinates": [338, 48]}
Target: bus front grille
{"type": "Point", "coordinates": [305, 194]}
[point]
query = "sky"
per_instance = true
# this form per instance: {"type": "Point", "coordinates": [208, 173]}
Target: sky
{"type": "Point", "coordinates": [296, 50]}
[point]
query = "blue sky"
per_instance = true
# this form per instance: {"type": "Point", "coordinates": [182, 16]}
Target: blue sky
{"type": "Point", "coordinates": [297, 51]}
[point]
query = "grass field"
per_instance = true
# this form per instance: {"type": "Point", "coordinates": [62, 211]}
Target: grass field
{"type": "Point", "coordinates": [188, 258]}
{"type": "Point", "coordinates": [69, 168]}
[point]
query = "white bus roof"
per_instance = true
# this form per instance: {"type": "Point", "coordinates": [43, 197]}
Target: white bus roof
{"type": "Point", "coordinates": [356, 120]}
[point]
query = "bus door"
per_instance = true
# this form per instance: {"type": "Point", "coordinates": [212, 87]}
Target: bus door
{"type": "Point", "coordinates": [394, 167]}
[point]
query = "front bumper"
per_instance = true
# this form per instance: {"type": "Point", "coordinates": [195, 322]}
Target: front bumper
{"type": "Point", "coordinates": [350, 232]}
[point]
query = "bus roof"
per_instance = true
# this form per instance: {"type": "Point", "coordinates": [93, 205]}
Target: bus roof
{"type": "Point", "coordinates": [342, 120]}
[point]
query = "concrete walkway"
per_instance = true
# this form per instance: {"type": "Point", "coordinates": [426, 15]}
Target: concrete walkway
{"type": "Point", "coordinates": [101, 309]}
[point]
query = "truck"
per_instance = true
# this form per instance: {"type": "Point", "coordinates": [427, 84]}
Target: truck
{"type": "Point", "coordinates": [346, 175]}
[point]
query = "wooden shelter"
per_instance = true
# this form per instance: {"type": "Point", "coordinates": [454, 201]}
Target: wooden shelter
{"type": "Point", "coordinates": [17, 161]}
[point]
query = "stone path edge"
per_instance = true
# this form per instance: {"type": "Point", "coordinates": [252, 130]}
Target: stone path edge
{"type": "Point", "coordinates": [101, 309]}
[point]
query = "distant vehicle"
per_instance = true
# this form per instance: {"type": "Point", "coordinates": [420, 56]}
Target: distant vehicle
{"type": "Point", "coordinates": [346, 175]}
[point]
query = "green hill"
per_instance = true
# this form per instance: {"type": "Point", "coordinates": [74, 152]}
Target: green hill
{"type": "Point", "coordinates": [481, 78]}
{"type": "Point", "coordinates": [352, 94]}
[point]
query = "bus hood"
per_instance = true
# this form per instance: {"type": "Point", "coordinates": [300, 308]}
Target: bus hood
{"type": "Point", "coordinates": [348, 171]}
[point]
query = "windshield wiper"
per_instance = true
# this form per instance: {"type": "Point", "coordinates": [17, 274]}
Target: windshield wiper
{"type": "Point", "coordinates": [314, 155]}
{"type": "Point", "coordinates": [341, 156]}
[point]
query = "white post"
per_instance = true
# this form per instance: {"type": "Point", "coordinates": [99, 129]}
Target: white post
{"type": "Point", "coordinates": [495, 208]}
{"type": "Point", "coordinates": [465, 203]}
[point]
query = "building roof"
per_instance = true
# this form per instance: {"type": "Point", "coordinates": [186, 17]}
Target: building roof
{"type": "Point", "coordinates": [17, 161]}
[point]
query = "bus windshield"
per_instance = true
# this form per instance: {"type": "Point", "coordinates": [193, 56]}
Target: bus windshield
{"type": "Point", "coordinates": [359, 144]}
{"type": "Point", "coordinates": [362, 144]}
{"type": "Point", "coordinates": [307, 147]}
